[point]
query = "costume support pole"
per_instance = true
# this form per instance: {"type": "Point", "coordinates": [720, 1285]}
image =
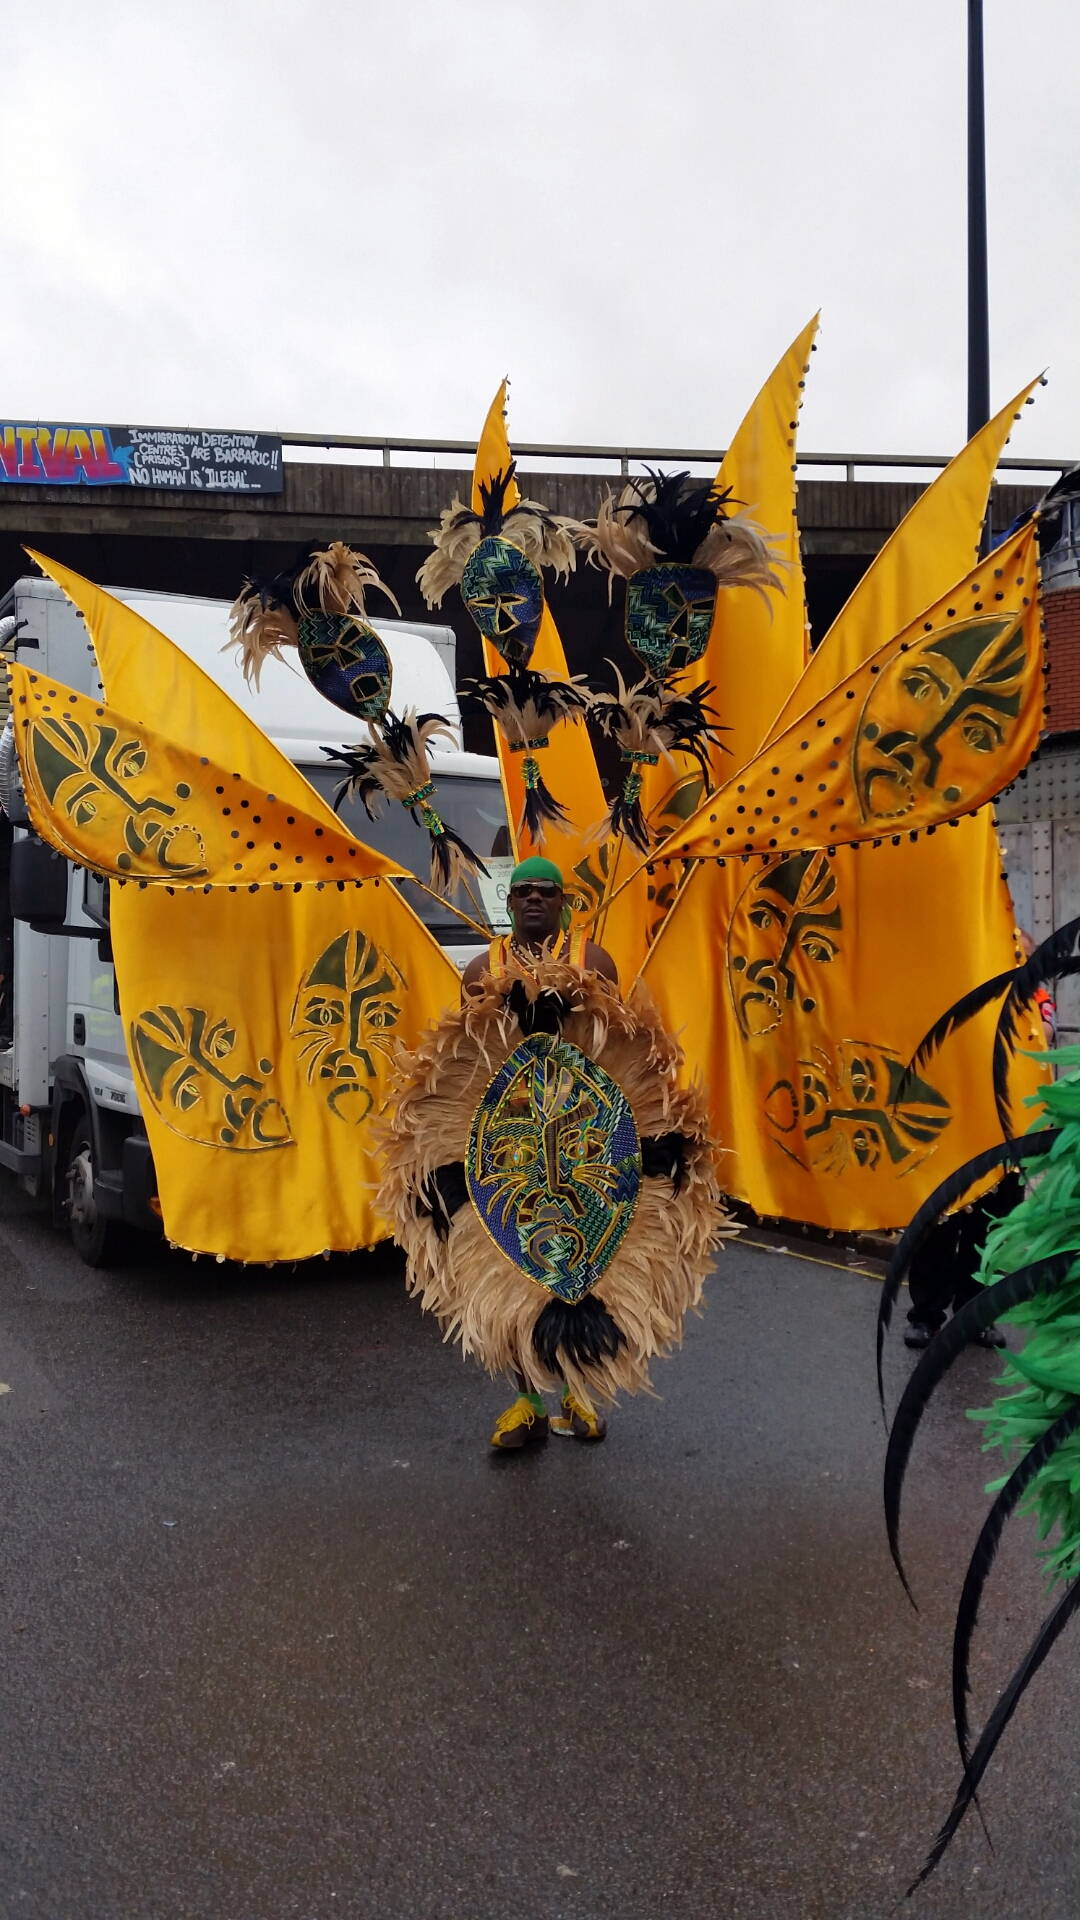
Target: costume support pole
{"type": "Point", "coordinates": [978, 290]}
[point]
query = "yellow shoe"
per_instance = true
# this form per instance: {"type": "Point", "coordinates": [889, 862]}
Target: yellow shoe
{"type": "Point", "coordinates": [578, 1422]}
{"type": "Point", "coordinates": [519, 1426]}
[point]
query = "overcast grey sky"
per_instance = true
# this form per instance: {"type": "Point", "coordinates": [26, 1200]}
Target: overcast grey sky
{"type": "Point", "coordinates": [357, 217]}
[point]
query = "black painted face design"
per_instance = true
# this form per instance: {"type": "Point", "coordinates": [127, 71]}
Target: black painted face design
{"type": "Point", "coordinates": [346, 1011]}
{"type": "Point", "coordinates": [786, 926]}
{"type": "Point", "coordinates": [949, 701]}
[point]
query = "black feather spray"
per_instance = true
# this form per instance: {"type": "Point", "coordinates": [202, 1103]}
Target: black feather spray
{"type": "Point", "coordinates": [585, 1333]}
{"type": "Point", "coordinates": [1042, 1276]}
{"type": "Point", "coordinates": [679, 512]}
{"type": "Point", "coordinates": [1011, 1153]}
{"type": "Point", "coordinates": [1050, 1631]}
{"type": "Point", "coordinates": [983, 1558]}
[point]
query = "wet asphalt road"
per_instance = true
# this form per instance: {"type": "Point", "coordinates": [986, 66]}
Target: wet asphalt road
{"type": "Point", "coordinates": [278, 1638]}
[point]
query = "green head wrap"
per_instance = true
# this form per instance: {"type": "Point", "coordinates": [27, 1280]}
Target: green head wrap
{"type": "Point", "coordinates": [537, 868]}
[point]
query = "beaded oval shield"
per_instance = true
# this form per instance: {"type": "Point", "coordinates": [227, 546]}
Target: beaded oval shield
{"type": "Point", "coordinates": [346, 662]}
{"type": "Point", "coordinates": [669, 611]}
{"type": "Point", "coordinates": [554, 1164]}
{"type": "Point", "coordinates": [505, 595]}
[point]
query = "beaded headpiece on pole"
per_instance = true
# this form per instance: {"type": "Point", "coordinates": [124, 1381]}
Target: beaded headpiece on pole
{"type": "Point", "coordinates": [673, 541]}
{"type": "Point", "coordinates": [494, 552]}
{"type": "Point", "coordinates": [317, 607]}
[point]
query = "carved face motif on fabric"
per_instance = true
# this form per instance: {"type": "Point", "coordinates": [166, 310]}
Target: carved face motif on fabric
{"type": "Point", "coordinates": [505, 595]}
{"type": "Point", "coordinates": [669, 613]}
{"type": "Point", "coordinates": [344, 1017]}
{"type": "Point", "coordinates": [856, 1105]}
{"type": "Point", "coordinates": [554, 1165]}
{"type": "Point", "coordinates": [952, 699]}
{"type": "Point", "coordinates": [346, 662]}
{"type": "Point", "coordinates": [96, 775]}
{"type": "Point", "coordinates": [186, 1065]}
{"type": "Point", "coordinates": [786, 925]}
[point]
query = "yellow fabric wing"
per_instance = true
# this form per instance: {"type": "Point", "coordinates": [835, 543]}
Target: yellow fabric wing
{"type": "Point", "coordinates": [115, 795]}
{"type": "Point", "coordinates": [259, 1008]}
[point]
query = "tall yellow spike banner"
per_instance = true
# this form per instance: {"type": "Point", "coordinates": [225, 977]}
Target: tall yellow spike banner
{"type": "Point", "coordinates": [756, 653]}
{"type": "Point", "coordinates": [802, 1000]}
{"type": "Point", "coordinates": [569, 762]}
{"type": "Point", "coordinates": [260, 1009]}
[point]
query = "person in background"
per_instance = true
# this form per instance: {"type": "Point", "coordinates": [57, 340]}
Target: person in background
{"type": "Point", "coordinates": [1044, 1000]}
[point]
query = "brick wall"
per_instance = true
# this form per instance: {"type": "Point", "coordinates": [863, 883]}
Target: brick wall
{"type": "Point", "coordinates": [1062, 613]}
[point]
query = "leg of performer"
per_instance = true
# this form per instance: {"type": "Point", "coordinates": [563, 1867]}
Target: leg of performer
{"type": "Point", "coordinates": [931, 1283]}
{"type": "Point", "coordinates": [525, 1423]}
{"type": "Point", "coordinates": [975, 1223]}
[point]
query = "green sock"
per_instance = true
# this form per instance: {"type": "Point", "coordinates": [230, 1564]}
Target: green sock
{"type": "Point", "coordinates": [536, 1402]}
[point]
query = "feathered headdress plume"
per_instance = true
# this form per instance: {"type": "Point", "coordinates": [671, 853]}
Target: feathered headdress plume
{"type": "Point", "coordinates": [395, 766]}
{"type": "Point", "coordinates": [266, 614]}
{"type": "Point", "coordinates": [651, 722]}
{"type": "Point", "coordinates": [669, 516]}
{"type": "Point", "coordinates": [495, 557]}
{"type": "Point", "coordinates": [525, 705]}
{"type": "Point", "coordinates": [318, 607]}
{"type": "Point", "coordinates": [545, 538]}
{"type": "Point", "coordinates": [675, 541]}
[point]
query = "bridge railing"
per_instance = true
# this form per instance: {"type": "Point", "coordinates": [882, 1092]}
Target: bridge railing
{"type": "Point", "coordinates": [679, 456]}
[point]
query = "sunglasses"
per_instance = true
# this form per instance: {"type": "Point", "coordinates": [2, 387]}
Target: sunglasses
{"type": "Point", "coordinates": [544, 890]}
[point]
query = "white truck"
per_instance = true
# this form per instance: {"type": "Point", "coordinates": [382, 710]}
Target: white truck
{"type": "Point", "coordinates": [70, 1123]}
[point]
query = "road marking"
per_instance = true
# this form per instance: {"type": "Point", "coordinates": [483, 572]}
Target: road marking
{"type": "Point", "coordinates": [815, 1259]}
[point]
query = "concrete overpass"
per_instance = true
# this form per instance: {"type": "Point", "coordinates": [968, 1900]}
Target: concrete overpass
{"type": "Point", "coordinates": [205, 543]}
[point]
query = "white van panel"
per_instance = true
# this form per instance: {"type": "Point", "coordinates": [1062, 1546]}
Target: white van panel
{"type": "Point", "coordinates": [287, 707]}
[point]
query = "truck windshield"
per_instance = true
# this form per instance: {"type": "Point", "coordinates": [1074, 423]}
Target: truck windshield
{"type": "Point", "coordinates": [473, 807]}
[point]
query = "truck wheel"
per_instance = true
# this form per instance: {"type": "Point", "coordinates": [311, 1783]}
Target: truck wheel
{"type": "Point", "coordinates": [98, 1240]}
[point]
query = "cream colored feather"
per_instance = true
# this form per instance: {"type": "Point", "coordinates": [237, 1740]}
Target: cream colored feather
{"type": "Point", "coordinates": [482, 1298]}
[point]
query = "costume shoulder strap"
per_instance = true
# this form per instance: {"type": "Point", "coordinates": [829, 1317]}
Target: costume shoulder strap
{"type": "Point", "coordinates": [497, 957]}
{"type": "Point", "coordinates": [578, 942]}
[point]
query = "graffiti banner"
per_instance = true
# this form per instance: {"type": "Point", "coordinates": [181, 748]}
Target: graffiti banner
{"type": "Point", "coordinates": [36, 454]}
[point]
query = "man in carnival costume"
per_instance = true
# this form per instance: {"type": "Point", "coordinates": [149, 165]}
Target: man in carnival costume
{"type": "Point", "coordinates": [552, 1184]}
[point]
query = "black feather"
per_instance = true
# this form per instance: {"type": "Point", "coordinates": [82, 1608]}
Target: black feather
{"type": "Point", "coordinates": [1008, 1701]}
{"type": "Point", "coordinates": [501, 693]}
{"type": "Point", "coordinates": [1018, 998]}
{"type": "Point", "coordinates": [680, 513]}
{"type": "Point", "coordinates": [625, 814]}
{"type": "Point", "coordinates": [985, 1553]}
{"type": "Point", "coordinates": [1042, 1276]}
{"type": "Point", "coordinates": [958, 1015]}
{"type": "Point", "coordinates": [442, 839]}
{"type": "Point", "coordinates": [493, 499]}
{"type": "Point", "coordinates": [692, 727]}
{"type": "Point", "coordinates": [1048, 962]}
{"type": "Point", "coordinates": [442, 1194]}
{"type": "Point", "coordinates": [1008, 1154]}
{"type": "Point", "coordinates": [541, 808]}
{"type": "Point", "coordinates": [360, 783]}
{"type": "Point", "coordinates": [545, 1014]}
{"type": "Point", "coordinates": [1045, 963]}
{"type": "Point", "coordinates": [586, 1334]}
{"type": "Point", "coordinates": [663, 1156]}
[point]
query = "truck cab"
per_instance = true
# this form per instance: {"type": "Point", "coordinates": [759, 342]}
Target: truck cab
{"type": "Point", "coordinates": [71, 1128]}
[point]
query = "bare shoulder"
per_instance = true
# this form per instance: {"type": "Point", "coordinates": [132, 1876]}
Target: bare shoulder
{"type": "Point", "coordinates": [473, 972]}
{"type": "Point", "coordinates": [599, 960]}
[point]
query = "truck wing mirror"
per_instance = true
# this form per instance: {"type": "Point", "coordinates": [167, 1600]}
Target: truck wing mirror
{"type": "Point", "coordinates": [39, 883]}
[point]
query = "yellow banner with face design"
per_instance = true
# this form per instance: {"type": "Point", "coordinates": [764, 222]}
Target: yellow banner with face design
{"type": "Point", "coordinates": [260, 1029]}
{"type": "Point", "coordinates": [266, 964]}
{"type": "Point", "coordinates": [828, 958]}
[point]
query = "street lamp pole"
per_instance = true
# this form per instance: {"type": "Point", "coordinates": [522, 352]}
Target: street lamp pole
{"type": "Point", "coordinates": [978, 291]}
